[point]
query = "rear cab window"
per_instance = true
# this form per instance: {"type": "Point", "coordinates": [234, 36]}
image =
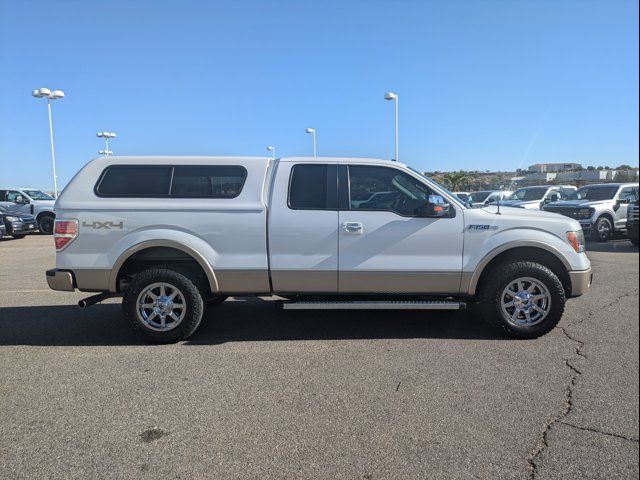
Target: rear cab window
{"type": "Point", "coordinates": [313, 187]}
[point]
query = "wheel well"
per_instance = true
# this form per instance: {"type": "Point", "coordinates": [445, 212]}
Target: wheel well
{"type": "Point", "coordinates": [45, 214]}
{"type": "Point", "coordinates": [531, 254]}
{"type": "Point", "coordinates": [608, 216]}
{"type": "Point", "coordinates": [165, 257]}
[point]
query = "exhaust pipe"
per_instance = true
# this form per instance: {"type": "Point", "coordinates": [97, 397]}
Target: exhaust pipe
{"type": "Point", "coordinates": [92, 300]}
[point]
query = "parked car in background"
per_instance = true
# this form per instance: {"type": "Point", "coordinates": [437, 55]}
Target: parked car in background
{"type": "Point", "coordinates": [311, 230]}
{"type": "Point", "coordinates": [17, 224]}
{"type": "Point", "coordinates": [30, 201]}
{"type": "Point", "coordinates": [633, 218]}
{"type": "Point", "coordinates": [3, 229]}
{"type": "Point", "coordinates": [534, 198]}
{"type": "Point", "coordinates": [488, 197]}
{"type": "Point", "coordinates": [601, 209]}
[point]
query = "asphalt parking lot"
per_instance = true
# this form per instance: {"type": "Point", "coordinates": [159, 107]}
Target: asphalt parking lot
{"type": "Point", "coordinates": [258, 393]}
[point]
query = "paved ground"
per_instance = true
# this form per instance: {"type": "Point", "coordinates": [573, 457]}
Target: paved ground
{"type": "Point", "coordinates": [263, 394]}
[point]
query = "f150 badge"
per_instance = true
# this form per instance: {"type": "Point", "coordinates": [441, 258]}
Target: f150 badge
{"type": "Point", "coordinates": [482, 228]}
{"type": "Point", "coordinates": [103, 225]}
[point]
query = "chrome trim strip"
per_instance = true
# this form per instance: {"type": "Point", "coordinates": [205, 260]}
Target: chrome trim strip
{"type": "Point", "coordinates": [372, 305]}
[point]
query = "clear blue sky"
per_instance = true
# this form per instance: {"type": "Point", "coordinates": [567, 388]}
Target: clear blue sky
{"type": "Point", "coordinates": [482, 84]}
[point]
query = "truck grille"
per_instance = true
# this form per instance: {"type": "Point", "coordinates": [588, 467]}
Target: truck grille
{"type": "Point", "coordinates": [567, 212]}
{"type": "Point", "coordinates": [633, 213]}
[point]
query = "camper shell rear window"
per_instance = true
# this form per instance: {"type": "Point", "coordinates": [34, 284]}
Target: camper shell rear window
{"type": "Point", "coordinates": [171, 181]}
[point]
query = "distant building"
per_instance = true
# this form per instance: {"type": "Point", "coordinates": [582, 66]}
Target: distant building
{"type": "Point", "coordinates": [554, 167]}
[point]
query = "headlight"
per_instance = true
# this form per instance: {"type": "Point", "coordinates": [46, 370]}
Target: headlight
{"type": "Point", "coordinates": [584, 213]}
{"type": "Point", "coordinates": [12, 219]}
{"type": "Point", "coordinates": [576, 240]}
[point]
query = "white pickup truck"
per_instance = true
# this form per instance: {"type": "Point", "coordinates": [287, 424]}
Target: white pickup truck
{"type": "Point", "coordinates": [171, 234]}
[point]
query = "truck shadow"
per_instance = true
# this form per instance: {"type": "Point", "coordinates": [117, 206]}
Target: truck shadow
{"type": "Point", "coordinates": [612, 246]}
{"type": "Point", "coordinates": [235, 321]}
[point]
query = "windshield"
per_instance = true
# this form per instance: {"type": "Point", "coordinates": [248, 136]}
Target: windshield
{"type": "Point", "coordinates": [450, 194]}
{"type": "Point", "coordinates": [38, 195]}
{"type": "Point", "coordinates": [595, 193]}
{"type": "Point", "coordinates": [528, 194]}
{"type": "Point", "coordinates": [480, 196]}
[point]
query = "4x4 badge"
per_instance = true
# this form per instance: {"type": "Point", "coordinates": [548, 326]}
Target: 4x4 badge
{"type": "Point", "coordinates": [105, 225]}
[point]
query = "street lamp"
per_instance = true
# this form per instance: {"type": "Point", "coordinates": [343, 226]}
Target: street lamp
{"type": "Point", "coordinates": [394, 97]}
{"type": "Point", "coordinates": [273, 150]}
{"type": "Point", "coordinates": [50, 95]}
{"type": "Point", "coordinates": [106, 136]}
{"type": "Point", "coordinates": [312, 132]}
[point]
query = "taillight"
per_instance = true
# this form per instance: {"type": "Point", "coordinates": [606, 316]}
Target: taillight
{"type": "Point", "coordinates": [64, 232]}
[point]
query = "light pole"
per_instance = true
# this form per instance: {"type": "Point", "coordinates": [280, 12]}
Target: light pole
{"type": "Point", "coordinates": [312, 132]}
{"type": "Point", "coordinates": [106, 136]}
{"type": "Point", "coordinates": [394, 97]}
{"type": "Point", "coordinates": [272, 150]}
{"type": "Point", "coordinates": [50, 95]}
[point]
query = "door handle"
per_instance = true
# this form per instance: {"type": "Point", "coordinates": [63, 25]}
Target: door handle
{"type": "Point", "coordinates": [352, 227]}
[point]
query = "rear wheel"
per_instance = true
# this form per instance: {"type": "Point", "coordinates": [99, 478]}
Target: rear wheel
{"type": "Point", "coordinates": [603, 229]}
{"type": "Point", "coordinates": [522, 299]}
{"type": "Point", "coordinates": [45, 224]}
{"type": "Point", "coordinates": [163, 306]}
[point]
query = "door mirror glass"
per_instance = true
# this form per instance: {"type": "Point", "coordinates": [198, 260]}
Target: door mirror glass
{"type": "Point", "coordinates": [20, 200]}
{"type": "Point", "coordinates": [436, 207]}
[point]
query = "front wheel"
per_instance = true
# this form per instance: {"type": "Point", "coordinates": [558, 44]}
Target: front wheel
{"type": "Point", "coordinates": [522, 299]}
{"type": "Point", "coordinates": [163, 306]}
{"type": "Point", "coordinates": [603, 229]}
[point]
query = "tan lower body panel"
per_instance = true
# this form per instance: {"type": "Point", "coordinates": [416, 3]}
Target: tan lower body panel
{"type": "Point", "coordinates": [92, 280]}
{"type": "Point", "coordinates": [409, 282]}
{"type": "Point", "coordinates": [304, 281]}
{"type": "Point", "coordinates": [242, 281]}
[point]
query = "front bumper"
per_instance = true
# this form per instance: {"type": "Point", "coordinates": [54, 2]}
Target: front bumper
{"type": "Point", "coordinates": [61, 280]}
{"type": "Point", "coordinates": [580, 282]}
{"type": "Point", "coordinates": [23, 227]}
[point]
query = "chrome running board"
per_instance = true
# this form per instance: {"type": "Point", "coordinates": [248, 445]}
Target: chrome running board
{"type": "Point", "coordinates": [374, 305]}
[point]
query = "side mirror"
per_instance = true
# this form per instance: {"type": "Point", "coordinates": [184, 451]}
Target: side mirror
{"type": "Point", "coordinates": [20, 200]}
{"type": "Point", "coordinates": [435, 207]}
{"type": "Point", "coordinates": [624, 201]}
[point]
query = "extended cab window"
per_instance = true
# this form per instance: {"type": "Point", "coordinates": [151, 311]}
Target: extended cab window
{"type": "Point", "coordinates": [215, 181]}
{"type": "Point", "coordinates": [384, 188]}
{"type": "Point", "coordinates": [313, 187]}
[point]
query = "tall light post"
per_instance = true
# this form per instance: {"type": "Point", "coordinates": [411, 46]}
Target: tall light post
{"type": "Point", "coordinates": [50, 95]}
{"type": "Point", "coordinates": [106, 136]}
{"type": "Point", "coordinates": [273, 151]}
{"type": "Point", "coordinates": [312, 132]}
{"type": "Point", "coordinates": [394, 97]}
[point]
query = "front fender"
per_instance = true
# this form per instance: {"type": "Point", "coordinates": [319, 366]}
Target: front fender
{"type": "Point", "coordinates": [479, 257]}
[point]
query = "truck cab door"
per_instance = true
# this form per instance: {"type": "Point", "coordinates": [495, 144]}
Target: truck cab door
{"type": "Point", "coordinates": [385, 246]}
{"type": "Point", "coordinates": [303, 228]}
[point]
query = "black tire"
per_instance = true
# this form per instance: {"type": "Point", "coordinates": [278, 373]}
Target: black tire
{"type": "Point", "coordinates": [193, 301]}
{"type": "Point", "coordinates": [18, 236]}
{"type": "Point", "coordinates": [634, 240]}
{"type": "Point", "coordinates": [602, 230]}
{"type": "Point", "coordinates": [498, 279]}
{"type": "Point", "coordinates": [45, 224]}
